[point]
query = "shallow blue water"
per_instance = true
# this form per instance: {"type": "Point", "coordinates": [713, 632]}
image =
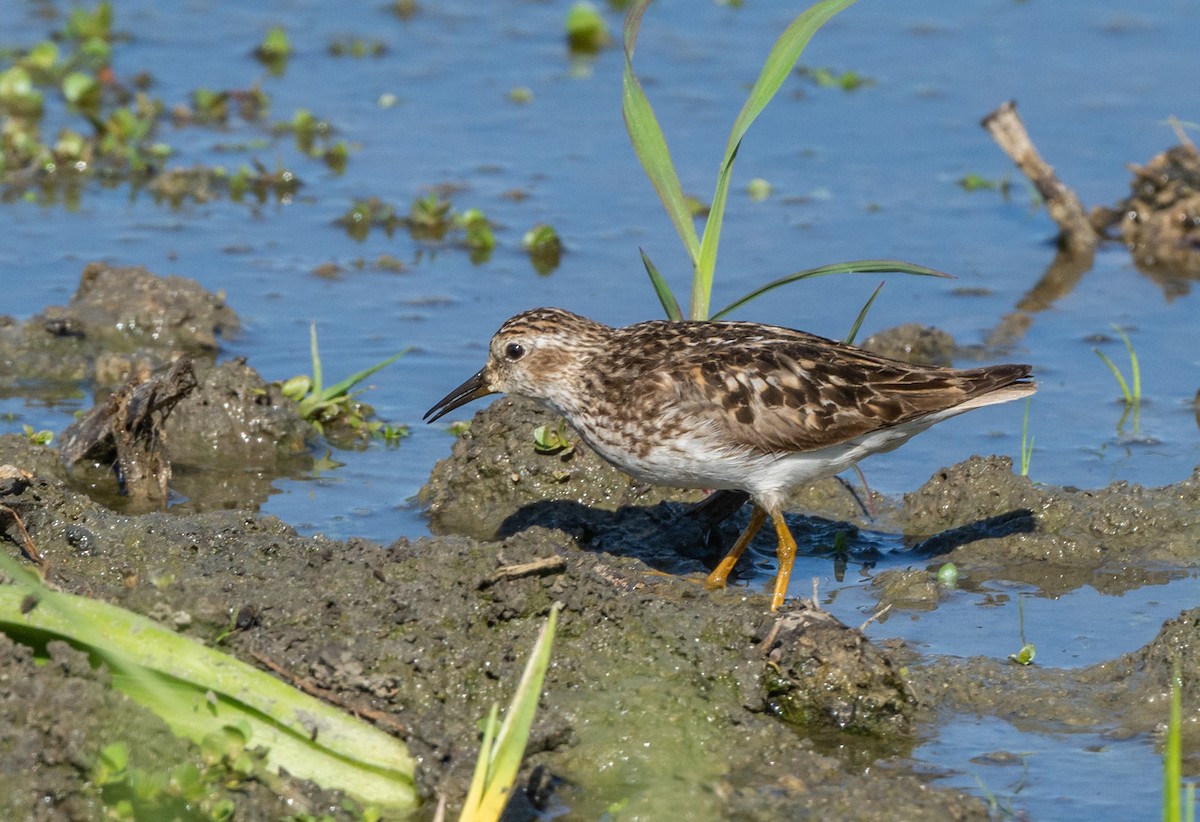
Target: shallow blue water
{"type": "Point", "coordinates": [855, 175]}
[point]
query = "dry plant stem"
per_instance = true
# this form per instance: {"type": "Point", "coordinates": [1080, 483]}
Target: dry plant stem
{"type": "Point", "coordinates": [380, 718]}
{"type": "Point", "coordinates": [881, 612]}
{"type": "Point", "coordinates": [27, 547]}
{"type": "Point", "coordinates": [538, 567]}
{"type": "Point", "coordinates": [1064, 207]}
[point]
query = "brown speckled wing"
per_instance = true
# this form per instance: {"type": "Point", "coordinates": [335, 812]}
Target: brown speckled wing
{"type": "Point", "coordinates": [775, 390]}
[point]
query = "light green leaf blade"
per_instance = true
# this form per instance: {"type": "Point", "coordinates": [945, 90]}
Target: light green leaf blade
{"type": "Point", "coordinates": [354, 379]}
{"type": "Point", "coordinates": [198, 690]}
{"type": "Point", "coordinates": [509, 747]}
{"type": "Point", "coordinates": [778, 65]}
{"type": "Point", "coordinates": [479, 778]}
{"type": "Point", "coordinates": [862, 315]}
{"type": "Point", "coordinates": [1112, 366]}
{"type": "Point", "coordinates": [669, 303]}
{"type": "Point", "coordinates": [852, 267]}
{"type": "Point", "coordinates": [316, 358]}
{"type": "Point", "coordinates": [648, 141]}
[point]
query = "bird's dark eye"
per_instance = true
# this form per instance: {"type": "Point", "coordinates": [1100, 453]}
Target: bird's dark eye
{"type": "Point", "coordinates": [514, 351]}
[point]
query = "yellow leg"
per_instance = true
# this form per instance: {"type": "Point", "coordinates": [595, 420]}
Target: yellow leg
{"type": "Point", "coordinates": [721, 573]}
{"type": "Point", "coordinates": [786, 554]}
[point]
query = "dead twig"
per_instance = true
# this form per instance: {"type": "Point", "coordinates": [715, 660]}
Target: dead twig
{"type": "Point", "coordinates": [27, 547]}
{"type": "Point", "coordinates": [1076, 231]}
{"type": "Point", "coordinates": [881, 612]}
{"type": "Point", "coordinates": [309, 687]}
{"type": "Point", "coordinates": [537, 567]}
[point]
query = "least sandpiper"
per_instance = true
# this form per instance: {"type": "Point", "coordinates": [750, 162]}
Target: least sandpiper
{"type": "Point", "coordinates": [726, 405]}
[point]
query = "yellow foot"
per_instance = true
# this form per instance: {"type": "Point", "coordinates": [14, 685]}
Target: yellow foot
{"type": "Point", "coordinates": [721, 573]}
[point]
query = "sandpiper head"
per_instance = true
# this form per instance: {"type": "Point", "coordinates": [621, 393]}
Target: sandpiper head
{"type": "Point", "coordinates": [533, 355]}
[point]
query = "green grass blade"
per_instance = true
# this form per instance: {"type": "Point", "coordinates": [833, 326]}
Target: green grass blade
{"type": "Point", "coordinates": [1173, 754]}
{"type": "Point", "coordinates": [776, 68]}
{"type": "Point", "coordinates": [505, 753]}
{"type": "Point", "coordinates": [198, 691]}
{"type": "Point", "coordinates": [779, 64]}
{"type": "Point", "coordinates": [1134, 369]}
{"type": "Point", "coordinates": [345, 385]}
{"type": "Point", "coordinates": [665, 296]}
{"type": "Point", "coordinates": [1116, 373]}
{"type": "Point", "coordinates": [1026, 441]}
{"type": "Point", "coordinates": [316, 359]}
{"type": "Point", "coordinates": [479, 778]}
{"type": "Point", "coordinates": [852, 267]}
{"type": "Point", "coordinates": [648, 141]}
{"type": "Point", "coordinates": [862, 315]}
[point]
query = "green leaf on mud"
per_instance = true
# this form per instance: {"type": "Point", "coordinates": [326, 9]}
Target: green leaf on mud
{"type": "Point", "coordinates": [199, 691]}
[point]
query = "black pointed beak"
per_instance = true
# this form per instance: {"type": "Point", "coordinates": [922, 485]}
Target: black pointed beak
{"type": "Point", "coordinates": [472, 389]}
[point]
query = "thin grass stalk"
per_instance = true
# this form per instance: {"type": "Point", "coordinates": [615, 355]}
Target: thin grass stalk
{"type": "Point", "coordinates": [1026, 441]}
{"type": "Point", "coordinates": [779, 63]}
{"type": "Point", "coordinates": [1173, 753]}
{"type": "Point", "coordinates": [1112, 366]}
{"type": "Point", "coordinates": [852, 267]}
{"type": "Point", "coordinates": [316, 359]}
{"type": "Point", "coordinates": [648, 141]}
{"type": "Point", "coordinates": [862, 315]}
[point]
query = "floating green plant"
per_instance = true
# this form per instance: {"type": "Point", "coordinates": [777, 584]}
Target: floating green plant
{"type": "Point", "coordinates": [848, 80]}
{"type": "Point", "coordinates": [586, 29]}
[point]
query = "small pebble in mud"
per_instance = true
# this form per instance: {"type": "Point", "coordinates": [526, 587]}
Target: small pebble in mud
{"type": "Point", "coordinates": [82, 540]}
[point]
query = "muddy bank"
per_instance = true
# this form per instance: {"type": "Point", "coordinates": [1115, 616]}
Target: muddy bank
{"type": "Point", "coordinates": [661, 695]}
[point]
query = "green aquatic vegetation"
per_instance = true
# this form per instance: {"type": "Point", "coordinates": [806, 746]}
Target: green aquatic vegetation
{"type": "Point", "coordinates": [336, 404]}
{"type": "Point", "coordinates": [586, 29]}
{"type": "Point", "coordinates": [977, 182]}
{"type": "Point", "coordinates": [37, 437]}
{"type": "Point", "coordinates": [1178, 800]}
{"type": "Point", "coordinates": [202, 184]}
{"type": "Point", "coordinates": [210, 106]}
{"type": "Point", "coordinates": [650, 145]}
{"type": "Point", "coordinates": [185, 791]}
{"type": "Point", "coordinates": [108, 124]}
{"type": "Point", "coordinates": [947, 575]}
{"type": "Point", "coordinates": [357, 47]}
{"type": "Point", "coordinates": [544, 247]}
{"type": "Point", "coordinates": [1026, 441]}
{"type": "Point", "coordinates": [474, 223]}
{"type": "Point", "coordinates": [549, 439]}
{"type": "Point", "coordinates": [274, 50]}
{"type": "Point", "coordinates": [1027, 651]}
{"type": "Point", "coordinates": [1131, 390]}
{"type": "Point", "coordinates": [431, 216]}
{"type": "Point", "coordinates": [503, 745]}
{"type": "Point", "coordinates": [368, 213]}
{"type": "Point", "coordinates": [848, 80]}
